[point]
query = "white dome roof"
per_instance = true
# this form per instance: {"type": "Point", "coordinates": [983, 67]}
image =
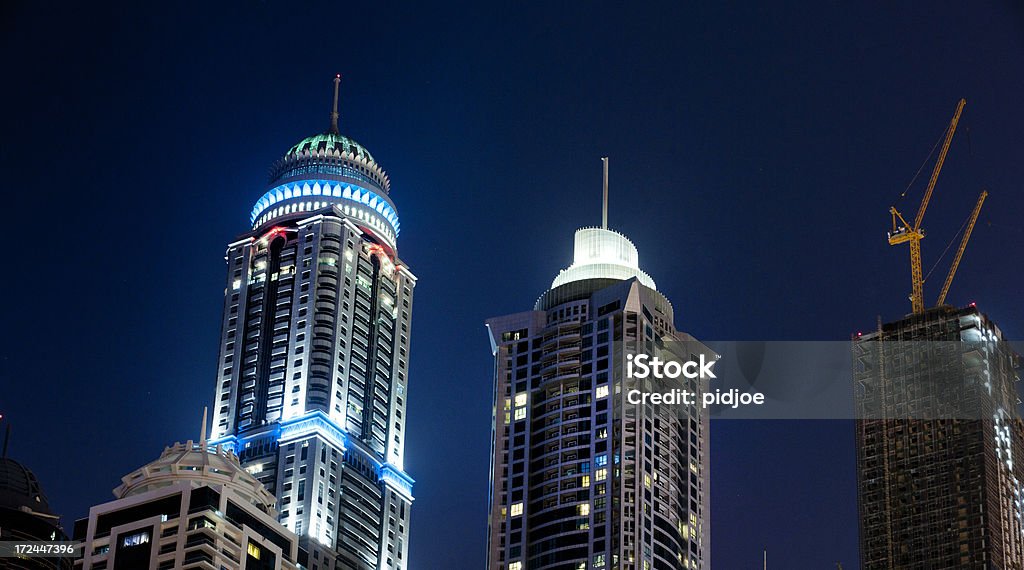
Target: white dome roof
{"type": "Point", "coordinates": [603, 254]}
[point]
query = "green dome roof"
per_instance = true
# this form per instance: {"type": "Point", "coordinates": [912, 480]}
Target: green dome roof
{"type": "Point", "coordinates": [330, 141]}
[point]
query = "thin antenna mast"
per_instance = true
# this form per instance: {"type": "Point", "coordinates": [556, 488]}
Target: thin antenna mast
{"type": "Point", "coordinates": [604, 203]}
{"type": "Point", "coordinates": [334, 111]}
{"type": "Point", "coordinates": [202, 433]}
{"type": "Point", "coordinates": [7, 437]}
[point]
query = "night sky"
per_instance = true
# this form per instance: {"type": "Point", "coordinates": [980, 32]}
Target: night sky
{"type": "Point", "coordinates": [754, 154]}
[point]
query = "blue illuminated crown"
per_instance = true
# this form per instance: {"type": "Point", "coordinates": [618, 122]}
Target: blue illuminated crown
{"type": "Point", "coordinates": [330, 169]}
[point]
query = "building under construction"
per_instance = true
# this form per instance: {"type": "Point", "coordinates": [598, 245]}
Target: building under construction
{"type": "Point", "coordinates": [940, 459]}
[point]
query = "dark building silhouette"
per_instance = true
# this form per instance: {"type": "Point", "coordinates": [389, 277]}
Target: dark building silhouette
{"type": "Point", "coordinates": [25, 515]}
{"type": "Point", "coordinates": [940, 459]}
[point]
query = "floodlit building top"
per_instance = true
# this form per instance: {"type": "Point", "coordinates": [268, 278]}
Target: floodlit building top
{"type": "Point", "coordinates": [601, 253]}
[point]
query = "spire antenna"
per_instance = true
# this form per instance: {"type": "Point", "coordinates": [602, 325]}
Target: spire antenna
{"type": "Point", "coordinates": [7, 437]}
{"type": "Point", "coordinates": [202, 433]}
{"type": "Point", "coordinates": [334, 110]}
{"type": "Point", "coordinates": [604, 203]}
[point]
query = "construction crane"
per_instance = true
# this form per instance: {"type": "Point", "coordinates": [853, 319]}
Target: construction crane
{"type": "Point", "coordinates": [963, 246]}
{"type": "Point", "coordinates": [904, 232]}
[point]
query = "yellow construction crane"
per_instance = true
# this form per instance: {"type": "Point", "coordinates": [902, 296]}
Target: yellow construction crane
{"type": "Point", "coordinates": [963, 246]}
{"type": "Point", "coordinates": [905, 232]}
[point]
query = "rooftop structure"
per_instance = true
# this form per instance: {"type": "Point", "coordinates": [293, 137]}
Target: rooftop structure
{"type": "Point", "coordinates": [193, 507]}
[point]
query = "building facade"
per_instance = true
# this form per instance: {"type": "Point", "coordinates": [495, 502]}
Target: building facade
{"type": "Point", "coordinates": [939, 445]}
{"type": "Point", "coordinates": [313, 366]}
{"type": "Point", "coordinates": [194, 507]}
{"type": "Point", "coordinates": [580, 478]}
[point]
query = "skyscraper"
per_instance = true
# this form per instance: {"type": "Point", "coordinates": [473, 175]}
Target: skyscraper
{"type": "Point", "coordinates": [940, 444]}
{"type": "Point", "coordinates": [313, 367]}
{"type": "Point", "coordinates": [580, 478]}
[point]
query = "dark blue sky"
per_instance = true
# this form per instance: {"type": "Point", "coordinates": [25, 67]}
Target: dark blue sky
{"type": "Point", "coordinates": [754, 153]}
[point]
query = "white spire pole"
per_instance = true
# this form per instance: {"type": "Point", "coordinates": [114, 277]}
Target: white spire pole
{"type": "Point", "coordinates": [604, 203]}
{"type": "Point", "coordinates": [202, 433]}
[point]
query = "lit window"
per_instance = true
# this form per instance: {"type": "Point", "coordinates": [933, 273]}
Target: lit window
{"type": "Point", "coordinates": [254, 551]}
{"type": "Point", "coordinates": [521, 399]}
{"type": "Point", "coordinates": [602, 391]}
{"type": "Point", "coordinates": [600, 475]}
{"type": "Point", "coordinates": [520, 413]}
{"type": "Point", "coordinates": [585, 481]}
{"type": "Point", "coordinates": [135, 539]}
{"type": "Point", "coordinates": [517, 509]}
{"type": "Point", "coordinates": [583, 510]}
{"type": "Point", "coordinates": [515, 566]}
{"type": "Point", "coordinates": [647, 480]}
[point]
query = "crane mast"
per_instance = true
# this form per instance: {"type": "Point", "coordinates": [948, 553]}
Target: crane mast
{"type": "Point", "coordinates": [904, 232]}
{"type": "Point", "coordinates": [963, 246]}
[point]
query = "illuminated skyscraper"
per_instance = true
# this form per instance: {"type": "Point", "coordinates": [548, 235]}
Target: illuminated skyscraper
{"type": "Point", "coordinates": [580, 478]}
{"type": "Point", "coordinates": [313, 366]}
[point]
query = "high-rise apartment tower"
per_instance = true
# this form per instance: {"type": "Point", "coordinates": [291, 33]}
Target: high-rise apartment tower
{"type": "Point", "coordinates": [313, 366]}
{"type": "Point", "coordinates": [580, 478]}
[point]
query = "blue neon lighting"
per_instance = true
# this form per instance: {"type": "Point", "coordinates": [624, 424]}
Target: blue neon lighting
{"type": "Point", "coordinates": [315, 422]}
{"type": "Point", "coordinates": [318, 423]}
{"type": "Point", "coordinates": [397, 479]}
{"type": "Point", "coordinates": [329, 189]}
{"type": "Point", "coordinates": [312, 423]}
{"type": "Point", "coordinates": [237, 443]}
